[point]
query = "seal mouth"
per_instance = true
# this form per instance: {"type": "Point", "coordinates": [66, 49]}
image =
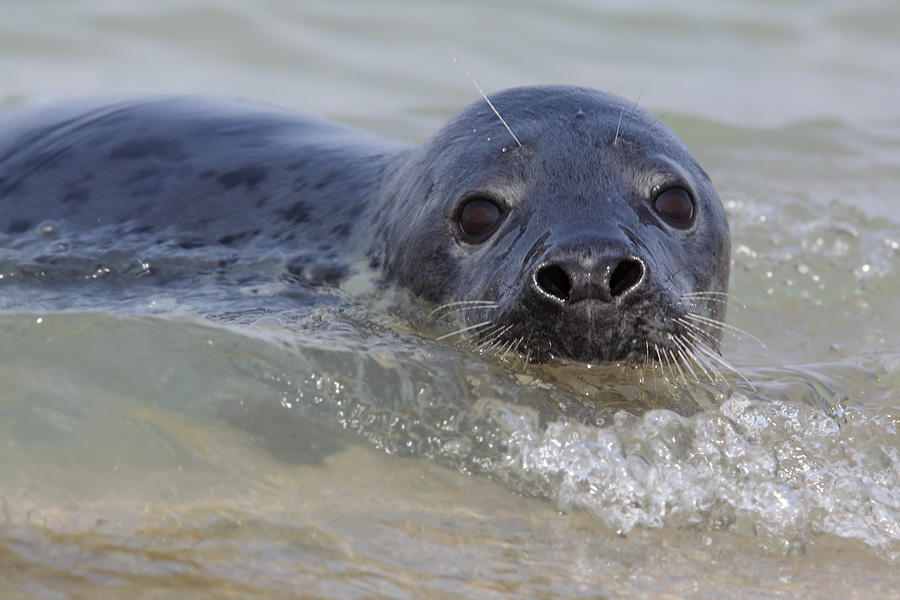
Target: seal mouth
{"type": "Point", "coordinates": [592, 332]}
{"type": "Point", "coordinates": [682, 335]}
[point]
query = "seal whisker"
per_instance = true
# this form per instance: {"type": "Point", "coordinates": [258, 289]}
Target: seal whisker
{"type": "Point", "coordinates": [692, 299]}
{"type": "Point", "coordinates": [646, 361]}
{"type": "Point", "coordinates": [664, 366]}
{"type": "Point", "coordinates": [721, 297]}
{"type": "Point", "coordinates": [465, 302]}
{"type": "Point", "coordinates": [501, 333]}
{"type": "Point", "coordinates": [695, 331]}
{"type": "Point", "coordinates": [628, 120]}
{"type": "Point", "coordinates": [715, 357]}
{"type": "Point", "coordinates": [507, 347]}
{"type": "Point", "coordinates": [515, 349]}
{"type": "Point", "coordinates": [657, 369]}
{"type": "Point", "coordinates": [678, 359]}
{"type": "Point", "coordinates": [710, 294]}
{"type": "Point", "coordinates": [491, 104]}
{"type": "Point", "coordinates": [481, 334]}
{"type": "Point", "coordinates": [464, 329]}
{"type": "Point", "coordinates": [728, 366]}
{"type": "Point", "coordinates": [635, 140]}
{"type": "Point", "coordinates": [709, 371]}
{"type": "Point", "coordinates": [669, 365]}
{"type": "Point", "coordinates": [703, 350]}
{"type": "Point", "coordinates": [495, 346]}
{"type": "Point", "coordinates": [462, 305]}
{"type": "Point", "coordinates": [722, 326]}
{"type": "Point", "coordinates": [689, 360]}
{"type": "Point", "coordinates": [495, 338]}
{"type": "Point", "coordinates": [618, 125]}
{"type": "Point", "coordinates": [692, 340]}
{"type": "Point", "coordinates": [499, 346]}
{"type": "Point", "coordinates": [516, 353]}
{"type": "Point", "coordinates": [701, 358]}
{"type": "Point", "coordinates": [678, 366]}
{"type": "Point", "coordinates": [684, 350]}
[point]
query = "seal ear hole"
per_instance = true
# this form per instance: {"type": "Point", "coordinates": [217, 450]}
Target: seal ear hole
{"type": "Point", "coordinates": [676, 206]}
{"type": "Point", "coordinates": [478, 218]}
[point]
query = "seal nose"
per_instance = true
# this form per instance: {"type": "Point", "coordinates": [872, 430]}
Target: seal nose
{"type": "Point", "coordinates": [607, 277]}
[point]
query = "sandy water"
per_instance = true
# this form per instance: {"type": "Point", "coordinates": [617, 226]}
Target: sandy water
{"type": "Point", "coordinates": [329, 447]}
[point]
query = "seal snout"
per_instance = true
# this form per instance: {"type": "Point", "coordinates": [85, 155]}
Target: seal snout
{"type": "Point", "coordinates": [607, 276]}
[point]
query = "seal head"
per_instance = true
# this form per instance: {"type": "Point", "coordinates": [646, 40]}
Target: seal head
{"type": "Point", "coordinates": [598, 240]}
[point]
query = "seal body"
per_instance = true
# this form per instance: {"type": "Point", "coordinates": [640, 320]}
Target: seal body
{"type": "Point", "coordinates": [205, 170]}
{"type": "Point", "coordinates": [593, 237]}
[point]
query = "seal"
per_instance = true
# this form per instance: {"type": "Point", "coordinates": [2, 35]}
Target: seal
{"type": "Point", "coordinates": [592, 236]}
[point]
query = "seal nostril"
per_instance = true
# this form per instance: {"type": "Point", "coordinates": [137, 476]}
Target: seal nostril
{"type": "Point", "coordinates": [625, 276]}
{"type": "Point", "coordinates": [553, 280]}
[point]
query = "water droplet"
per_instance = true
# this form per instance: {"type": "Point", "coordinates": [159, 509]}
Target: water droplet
{"type": "Point", "coordinates": [48, 227]}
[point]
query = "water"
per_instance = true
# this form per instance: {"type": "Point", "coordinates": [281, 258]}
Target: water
{"type": "Point", "coordinates": [330, 447]}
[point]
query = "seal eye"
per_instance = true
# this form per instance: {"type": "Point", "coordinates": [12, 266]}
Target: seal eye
{"type": "Point", "coordinates": [478, 218]}
{"type": "Point", "coordinates": [675, 205]}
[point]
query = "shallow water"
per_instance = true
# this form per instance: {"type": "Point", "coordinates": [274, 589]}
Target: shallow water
{"type": "Point", "coordinates": [320, 443]}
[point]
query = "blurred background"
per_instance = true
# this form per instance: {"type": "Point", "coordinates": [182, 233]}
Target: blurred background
{"type": "Point", "coordinates": [750, 64]}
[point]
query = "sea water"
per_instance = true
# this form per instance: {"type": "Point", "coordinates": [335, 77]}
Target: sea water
{"type": "Point", "coordinates": [248, 437]}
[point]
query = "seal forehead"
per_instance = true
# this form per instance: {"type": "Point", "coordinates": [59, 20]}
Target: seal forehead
{"type": "Point", "coordinates": [559, 99]}
{"type": "Point", "coordinates": [571, 121]}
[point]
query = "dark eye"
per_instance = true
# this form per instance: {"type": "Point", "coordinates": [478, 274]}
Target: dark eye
{"type": "Point", "coordinates": [675, 205]}
{"type": "Point", "coordinates": [478, 218]}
